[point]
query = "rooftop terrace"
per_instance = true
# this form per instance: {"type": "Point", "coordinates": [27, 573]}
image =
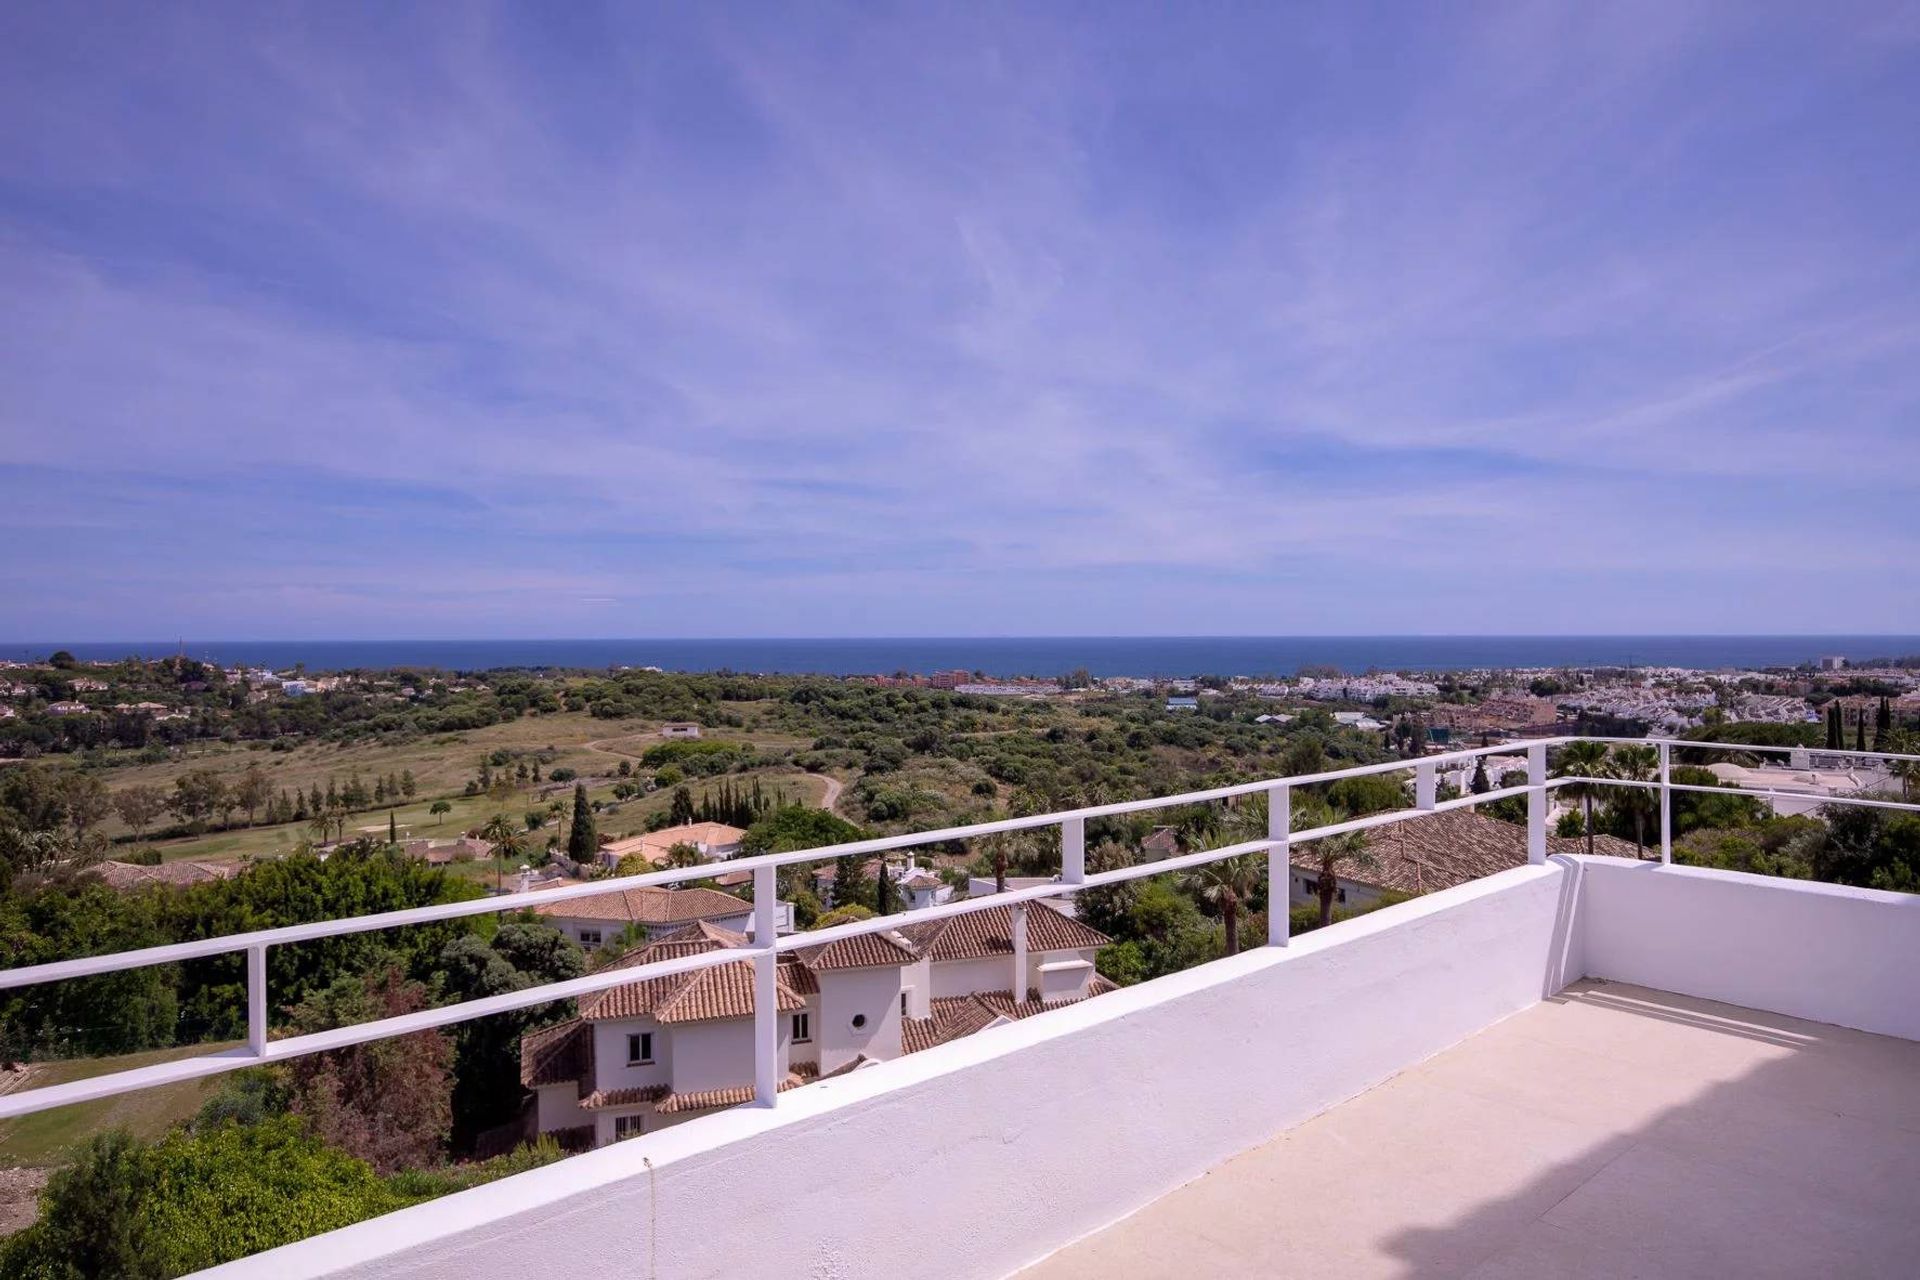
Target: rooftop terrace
{"type": "Point", "coordinates": [1583, 1065]}
{"type": "Point", "coordinates": [1610, 1130]}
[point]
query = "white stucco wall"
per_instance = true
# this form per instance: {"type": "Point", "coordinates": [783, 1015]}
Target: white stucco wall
{"type": "Point", "coordinates": [558, 1107]}
{"type": "Point", "coordinates": [1062, 1122]}
{"type": "Point", "coordinates": [870, 993]}
{"type": "Point", "coordinates": [964, 977]}
{"type": "Point", "coordinates": [718, 1054]}
{"type": "Point", "coordinates": [1817, 951]}
{"type": "Point", "coordinates": [610, 1069]}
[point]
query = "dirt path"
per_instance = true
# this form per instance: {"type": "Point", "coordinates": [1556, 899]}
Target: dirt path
{"type": "Point", "coordinates": [20, 1198]}
{"type": "Point", "coordinates": [834, 788]}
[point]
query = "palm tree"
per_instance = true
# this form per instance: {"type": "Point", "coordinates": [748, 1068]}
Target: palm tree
{"type": "Point", "coordinates": [1634, 764]}
{"type": "Point", "coordinates": [1334, 853]}
{"type": "Point", "coordinates": [1583, 760]}
{"type": "Point", "coordinates": [1901, 741]}
{"type": "Point", "coordinates": [1331, 853]}
{"type": "Point", "coordinates": [1226, 884]}
{"type": "Point", "coordinates": [506, 843]}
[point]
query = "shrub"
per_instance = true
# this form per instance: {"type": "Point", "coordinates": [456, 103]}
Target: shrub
{"type": "Point", "coordinates": [191, 1200]}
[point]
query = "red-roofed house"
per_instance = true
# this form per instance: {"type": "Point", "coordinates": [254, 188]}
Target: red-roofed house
{"type": "Point", "coordinates": [662, 1050]}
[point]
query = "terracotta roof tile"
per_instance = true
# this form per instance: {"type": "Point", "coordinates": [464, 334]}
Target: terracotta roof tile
{"type": "Point", "coordinates": [725, 991]}
{"type": "Point", "coordinates": [667, 1102]}
{"type": "Point", "coordinates": [863, 951]}
{"type": "Point", "coordinates": [1441, 850]}
{"type": "Point", "coordinates": [957, 1016]}
{"type": "Point", "coordinates": [649, 905]}
{"type": "Point", "coordinates": [977, 935]}
{"type": "Point", "coordinates": [559, 1054]}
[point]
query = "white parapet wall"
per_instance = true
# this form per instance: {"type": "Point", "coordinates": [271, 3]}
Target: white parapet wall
{"type": "Point", "coordinates": [977, 1157]}
{"type": "Point", "coordinates": [1824, 952]}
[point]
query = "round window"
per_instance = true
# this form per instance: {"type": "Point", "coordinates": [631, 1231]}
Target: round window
{"type": "Point", "coordinates": [859, 1021]}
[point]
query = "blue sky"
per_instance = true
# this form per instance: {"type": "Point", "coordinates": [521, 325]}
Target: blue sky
{"type": "Point", "coordinates": [451, 320]}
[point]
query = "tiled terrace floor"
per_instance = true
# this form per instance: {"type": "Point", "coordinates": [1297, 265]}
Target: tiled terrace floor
{"type": "Point", "coordinates": [1611, 1131]}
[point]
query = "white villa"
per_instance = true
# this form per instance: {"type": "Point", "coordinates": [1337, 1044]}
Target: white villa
{"type": "Point", "coordinates": [641, 1057]}
{"type": "Point", "coordinates": [713, 841]}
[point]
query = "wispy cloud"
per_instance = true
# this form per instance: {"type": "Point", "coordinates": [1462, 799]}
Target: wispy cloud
{"type": "Point", "coordinates": [512, 321]}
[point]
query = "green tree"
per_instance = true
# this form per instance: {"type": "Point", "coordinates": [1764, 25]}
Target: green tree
{"type": "Point", "coordinates": [139, 805]}
{"type": "Point", "coordinates": [508, 844]}
{"type": "Point", "coordinates": [682, 811]}
{"type": "Point", "coordinates": [439, 809]}
{"type": "Point", "coordinates": [197, 795]}
{"type": "Point", "coordinates": [1583, 760]}
{"type": "Point", "coordinates": [388, 1102]}
{"type": "Point", "coordinates": [1635, 764]}
{"type": "Point", "coordinates": [851, 888]}
{"type": "Point", "coordinates": [1228, 885]}
{"type": "Point", "coordinates": [522, 953]}
{"type": "Point", "coordinates": [1331, 855]}
{"type": "Point", "coordinates": [87, 801]}
{"type": "Point", "coordinates": [843, 915]}
{"type": "Point", "coordinates": [1903, 742]}
{"type": "Point", "coordinates": [582, 841]}
{"type": "Point", "coordinates": [196, 1198]}
{"type": "Point", "coordinates": [1480, 784]}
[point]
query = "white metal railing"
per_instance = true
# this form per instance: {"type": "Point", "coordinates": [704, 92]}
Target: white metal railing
{"type": "Point", "coordinates": [768, 946]}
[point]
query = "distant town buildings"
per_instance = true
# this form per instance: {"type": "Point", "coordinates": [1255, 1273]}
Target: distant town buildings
{"type": "Point", "coordinates": [1365, 688]}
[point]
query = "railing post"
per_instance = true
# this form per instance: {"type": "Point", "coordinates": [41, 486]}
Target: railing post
{"type": "Point", "coordinates": [1017, 984]}
{"type": "Point", "coordinates": [1073, 851]}
{"type": "Point", "coordinates": [1537, 804]}
{"type": "Point", "coordinates": [1279, 863]}
{"type": "Point", "coordinates": [1426, 784]}
{"type": "Point", "coordinates": [257, 999]}
{"type": "Point", "coordinates": [1666, 803]}
{"type": "Point", "coordinates": [766, 986]}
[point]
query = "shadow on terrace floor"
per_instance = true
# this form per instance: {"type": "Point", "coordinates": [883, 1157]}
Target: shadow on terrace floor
{"type": "Point", "coordinates": [1608, 1131]}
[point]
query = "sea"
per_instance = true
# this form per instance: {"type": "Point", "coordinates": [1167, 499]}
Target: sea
{"type": "Point", "coordinates": [1015, 656]}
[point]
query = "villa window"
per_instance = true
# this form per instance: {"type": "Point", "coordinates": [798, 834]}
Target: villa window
{"type": "Point", "coordinates": [628, 1127]}
{"type": "Point", "coordinates": [640, 1049]}
{"type": "Point", "coordinates": [802, 1028]}
{"type": "Point", "coordinates": [589, 937]}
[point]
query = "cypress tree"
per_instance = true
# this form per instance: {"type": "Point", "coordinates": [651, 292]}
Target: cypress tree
{"type": "Point", "coordinates": [393, 832]}
{"type": "Point", "coordinates": [582, 842]}
{"type": "Point", "coordinates": [1833, 727]}
{"type": "Point", "coordinates": [1480, 784]}
{"type": "Point", "coordinates": [1860, 732]}
{"type": "Point", "coordinates": [1882, 721]}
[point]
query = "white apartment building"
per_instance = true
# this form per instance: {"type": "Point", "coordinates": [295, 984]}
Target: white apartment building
{"type": "Point", "coordinates": [641, 1057]}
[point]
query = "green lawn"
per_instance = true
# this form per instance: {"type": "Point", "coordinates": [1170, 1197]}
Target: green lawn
{"type": "Point", "coordinates": [49, 1138]}
{"type": "Point", "coordinates": [441, 765]}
